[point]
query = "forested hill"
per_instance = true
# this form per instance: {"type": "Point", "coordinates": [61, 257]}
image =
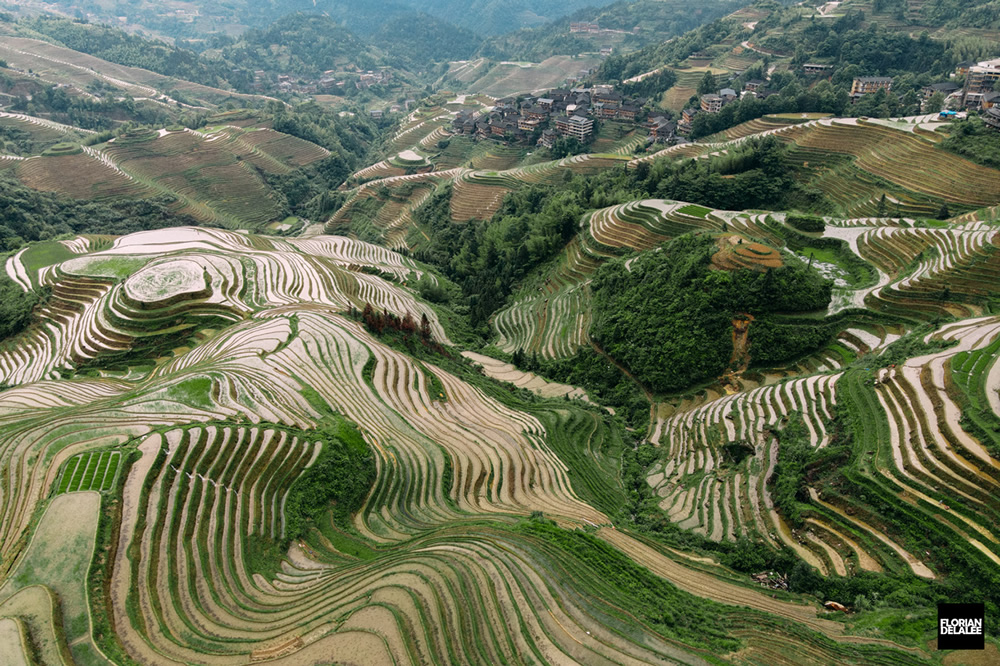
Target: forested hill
{"type": "Point", "coordinates": [301, 45]}
{"type": "Point", "coordinates": [877, 37]}
{"type": "Point", "coordinates": [656, 20]}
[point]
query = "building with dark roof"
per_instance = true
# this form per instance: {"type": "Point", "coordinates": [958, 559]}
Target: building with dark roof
{"type": "Point", "coordinates": [992, 117]}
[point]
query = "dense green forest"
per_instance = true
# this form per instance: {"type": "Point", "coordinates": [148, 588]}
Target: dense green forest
{"type": "Point", "coordinates": [668, 316]}
{"type": "Point", "coordinates": [961, 13]}
{"type": "Point", "coordinates": [301, 45]}
{"type": "Point", "coordinates": [29, 215]}
{"type": "Point", "coordinates": [414, 41]}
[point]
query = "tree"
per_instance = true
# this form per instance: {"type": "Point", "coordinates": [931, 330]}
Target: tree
{"type": "Point", "coordinates": [943, 213]}
{"type": "Point", "coordinates": [935, 103]}
{"type": "Point", "coordinates": [707, 83]}
{"type": "Point", "coordinates": [425, 327]}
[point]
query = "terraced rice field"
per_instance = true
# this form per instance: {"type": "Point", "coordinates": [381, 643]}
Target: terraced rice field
{"type": "Point", "coordinates": [188, 377]}
{"type": "Point", "coordinates": [212, 174]}
{"type": "Point", "coordinates": [905, 159]}
{"type": "Point", "coordinates": [218, 431]}
{"type": "Point", "coordinates": [81, 176]}
{"type": "Point", "coordinates": [180, 277]}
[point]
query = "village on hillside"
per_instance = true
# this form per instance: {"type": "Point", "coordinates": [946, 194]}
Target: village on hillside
{"type": "Point", "coordinates": [541, 120]}
{"type": "Point", "coordinates": [980, 92]}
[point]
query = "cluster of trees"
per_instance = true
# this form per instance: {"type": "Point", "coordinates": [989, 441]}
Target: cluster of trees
{"type": "Point", "coordinates": [15, 307]}
{"type": "Point", "coordinates": [352, 137]}
{"type": "Point", "coordinates": [489, 258]}
{"type": "Point", "coordinates": [305, 45]}
{"type": "Point", "coordinates": [668, 317]}
{"type": "Point", "coordinates": [29, 215]}
{"type": "Point", "coordinates": [961, 13]}
{"type": "Point", "coordinates": [800, 463]}
{"type": "Point", "coordinates": [623, 66]}
{"type": "Point", "coordinates": [103, 113]}
{"type": "Point", "coordinates": [337, 481]}
{"type": "Point", "coordinates": [378, 322]}
{"type": "Point", "coordinates": [652, 85]}
{"type": "Point", "coordinates": [310, 191]}
{"type": "Point", "coordinates": [412, 41]}
{"type": "Point", "coordinates": [974, 141]}
{"type": "Point", "coordinates": [16, 141]}
{"type": "Point", "coordinates": [598, 376]}
{"type": "Point", "coordinates": [754, 176]}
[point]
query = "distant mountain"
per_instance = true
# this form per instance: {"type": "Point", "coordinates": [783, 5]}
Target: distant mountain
{"type": "Point", "coordinates": [419, 38]}
{"type": "Point", "coordinates": [624, 25]}
{"type": "Point", "coordinates": [199, 19]}
{"type": "Point", "coordinates": [494, 17]}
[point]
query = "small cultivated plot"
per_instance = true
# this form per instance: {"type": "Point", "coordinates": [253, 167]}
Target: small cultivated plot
{"type": "Point", "coordinates": [694, 210]}
{"type": "Point", "coordinates": [287, 224]}
{"type": "Point", "coordinates": [63, 149]}
{"type": "Point", "coordinates": [409, 159]}
{"type": "Point", "coordinates": [166, 282]}
{"type": "Point", "coordinates": [90, 471]}
{"type": "Point", "coordinates": [736, 251]}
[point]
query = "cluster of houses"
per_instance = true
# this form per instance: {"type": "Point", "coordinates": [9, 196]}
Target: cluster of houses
{"type": "Point", "coordinates": [978, 92]}
{"type": "Point", "coordinates": [328, 80]}
{"type": "Point", "coordinates": [560, 112]}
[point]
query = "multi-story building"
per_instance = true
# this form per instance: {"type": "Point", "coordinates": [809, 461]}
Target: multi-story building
{"type": "Point", "coordinates": [980, 79]}
{"type": "Point", "coordinates": [661, 129]}
{"type": "Point", "coordinates": [687, 117]}
{"type": "Point", "coordinates": [528, 124]}
{"type": "Point", "coordinates": [864, 85]}
{"type": "Point", "coordinates": [711, 103]}
{"type": "Point", "coordinates": [577, 127]}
